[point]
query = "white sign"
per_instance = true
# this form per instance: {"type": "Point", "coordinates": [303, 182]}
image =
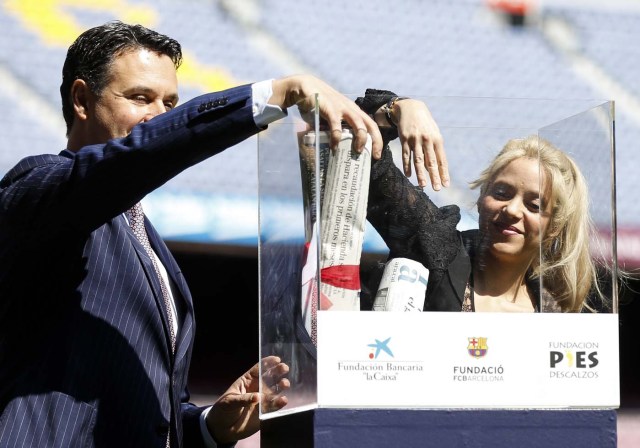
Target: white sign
{"type": "Point", "coordinates": [467, 360]}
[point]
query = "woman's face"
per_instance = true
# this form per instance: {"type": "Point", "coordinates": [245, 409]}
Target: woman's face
{"type": "Point", "coordinates": [510, 214]}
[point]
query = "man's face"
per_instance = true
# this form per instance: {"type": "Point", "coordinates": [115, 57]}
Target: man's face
{"type": "Point", "coordinates": [142, 84]}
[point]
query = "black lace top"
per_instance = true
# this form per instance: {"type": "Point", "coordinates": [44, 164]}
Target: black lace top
{"type": "Point", "coordinates": [414, 227]}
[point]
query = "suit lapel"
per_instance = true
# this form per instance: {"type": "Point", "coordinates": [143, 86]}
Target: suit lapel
{"type": "Point", "coordinates": [182, 297]}
{"type": "Point", "coordinates": [153, 279]}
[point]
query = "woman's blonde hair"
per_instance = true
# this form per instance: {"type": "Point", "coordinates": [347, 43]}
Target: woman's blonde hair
{"type": "Point", "coordinates": [568, 272]}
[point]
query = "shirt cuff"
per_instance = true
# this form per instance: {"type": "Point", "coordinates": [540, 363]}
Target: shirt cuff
{"type": "Point", "coordinates": [206, 435]}
{"type": "Point", "coordinates": [263, 112]}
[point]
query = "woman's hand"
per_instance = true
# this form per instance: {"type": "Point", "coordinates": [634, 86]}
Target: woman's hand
{"type": "Point", "coordinates": [421, 142]}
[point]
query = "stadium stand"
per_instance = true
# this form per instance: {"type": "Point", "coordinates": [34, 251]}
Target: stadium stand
{"type": "Point", "coordinates": [435, 50]}
{"type": "Point", "coordinates": [441, 50]}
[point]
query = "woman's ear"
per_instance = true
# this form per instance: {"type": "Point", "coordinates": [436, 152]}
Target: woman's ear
{"type": "Point", "coordinates": [553, 240]}
{"type": "Point", "coordinates": [553, 231]}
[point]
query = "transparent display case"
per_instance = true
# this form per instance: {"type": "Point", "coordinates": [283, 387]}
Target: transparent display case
{"type": "Point", "coordinates": [343, 353]}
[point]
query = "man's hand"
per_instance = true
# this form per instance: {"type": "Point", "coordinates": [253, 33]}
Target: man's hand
{"type": "Point", "coordinates": [301, 90]}
{"type": "Point", "coordinates": [236, 415]}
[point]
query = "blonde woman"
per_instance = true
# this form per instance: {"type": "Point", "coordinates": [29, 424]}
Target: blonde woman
{"type": "Point", "coordinates": [531, 250]}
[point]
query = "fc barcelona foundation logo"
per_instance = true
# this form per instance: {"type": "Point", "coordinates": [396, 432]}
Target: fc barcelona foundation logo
{"type": "Point", "coordinates": [477, 347]}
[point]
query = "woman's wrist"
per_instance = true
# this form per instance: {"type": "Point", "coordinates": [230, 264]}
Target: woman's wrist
{"type": "Point", "coordinates": [387, 112]}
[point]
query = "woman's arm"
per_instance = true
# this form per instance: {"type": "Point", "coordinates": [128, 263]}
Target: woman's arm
{"type": "Point", "coordinates": [420, 137]}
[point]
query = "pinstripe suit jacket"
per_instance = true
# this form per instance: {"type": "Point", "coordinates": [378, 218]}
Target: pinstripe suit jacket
{"type": "Point", "coordinates": [84, 348]}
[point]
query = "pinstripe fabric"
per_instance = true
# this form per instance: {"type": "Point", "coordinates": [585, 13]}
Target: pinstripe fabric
{"type": "Point", "coordinates": [135, 215]}
{"type": "Point", "coordinates": [84, 342]}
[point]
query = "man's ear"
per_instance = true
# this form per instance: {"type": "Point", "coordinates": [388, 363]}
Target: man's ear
{"type": "Point", "coordinates": [80, 97]}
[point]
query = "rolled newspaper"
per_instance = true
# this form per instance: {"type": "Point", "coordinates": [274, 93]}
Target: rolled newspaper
{"type": "Point", "coordinates": [344, 184]}
{"type": "Point", "coordinates": [402, 287]}
{"type": "Point", "coordinates": [342, 225]}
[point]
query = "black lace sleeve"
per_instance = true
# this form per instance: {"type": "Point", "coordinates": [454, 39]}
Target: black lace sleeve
{"type": "Point", "coordinates": [408, 221]}
{"type": "Point", "coordinates": [372, 100]}
{"type": "Point", "coordinates": [411, 225]}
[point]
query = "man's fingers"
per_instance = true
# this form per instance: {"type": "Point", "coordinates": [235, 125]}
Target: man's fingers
{"type": "Point", "coordinates": [273, 376]}
{"type": "Point", "coordinates": [376, 139]}
{"type": "Point", "coordinates": [361, 124]}
{"type": "Point", "coordinates": [274, 403]}
{"type": "Point", "coordinates": [335, 136]}
{"type": "Point", "coordinates": [270, 361]}
{"type": "Point", "coordinates": [360, 138]}
{"type": "Point", "coordinates": [238, 399]}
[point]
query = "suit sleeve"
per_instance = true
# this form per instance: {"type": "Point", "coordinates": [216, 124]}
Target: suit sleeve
{"type": "Point", "coordinates": [104, 180]}
{"type": "Point", "coordinates": [192, 430]}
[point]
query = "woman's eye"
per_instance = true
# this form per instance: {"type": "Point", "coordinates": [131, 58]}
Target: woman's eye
{"type": "Point", "coordinates": [500, 193]}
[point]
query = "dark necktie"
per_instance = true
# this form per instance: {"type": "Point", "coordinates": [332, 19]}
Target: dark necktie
{"type": "Point", "coordinates": [135, 215]}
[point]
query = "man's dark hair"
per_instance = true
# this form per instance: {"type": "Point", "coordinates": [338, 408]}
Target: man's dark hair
{"type": "Point", "coordinates": [89, 58]}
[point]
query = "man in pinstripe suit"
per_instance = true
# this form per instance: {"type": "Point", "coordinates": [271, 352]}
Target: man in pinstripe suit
{"type": "Point", "coordinates": [86, 352]}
